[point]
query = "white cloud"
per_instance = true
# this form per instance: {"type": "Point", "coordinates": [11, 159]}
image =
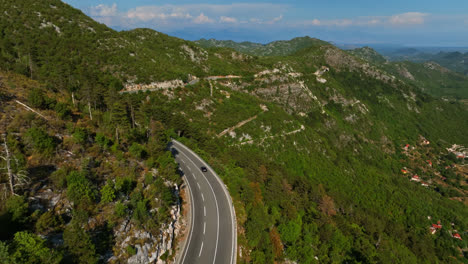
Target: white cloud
{"type": "Point", "coordinates": [104, 10]}
{"type": "Point", "coordinates": [255, 20]}
{"type": "Point", "coordinates": [156, 13]}
{"type": "Point", "coordinates": [333, 22]}
{"type": "Point", "coordinates": [374, 21]}
{"type": "Point", "coordinates": [181, 16]}
{"type": "Point", "coordinates": [202, 19]}
{"type": "Point", "coordinates": [277, 19]}
{"type": "Point", "coordinates": [405, 19]}
{"type": "Point", "coordinates": [315, 22]}
{"type": "Point", "coordinates": [256, 17]}
{"type": "Point", "coordinates": [343, 22]}
{"type": "Point", "coordinates": [225, 19]}
{"type": "Point", "coordinates": [410, 18]}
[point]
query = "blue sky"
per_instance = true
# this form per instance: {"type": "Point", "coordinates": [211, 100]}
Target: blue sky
{"type": "Point", "coordinates": [402, 22]}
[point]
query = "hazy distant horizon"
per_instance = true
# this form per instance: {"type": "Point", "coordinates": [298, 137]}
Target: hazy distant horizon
{"type": "Point", "coordinates": [399, 22]}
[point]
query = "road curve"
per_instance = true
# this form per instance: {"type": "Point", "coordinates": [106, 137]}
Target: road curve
{"type": "Point", "coordinates": [212, 237]}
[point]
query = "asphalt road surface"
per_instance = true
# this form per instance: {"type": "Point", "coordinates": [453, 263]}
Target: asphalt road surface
{"type": "Point", "coordinates": [212, 234]}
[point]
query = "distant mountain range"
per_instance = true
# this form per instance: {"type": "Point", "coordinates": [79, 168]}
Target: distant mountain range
{"type": "Point", "coordinates": [435, 75]}
{"type": "Point", "coordinates": [455, 60]}
{"type": "Point", "coordinates": [275, 48]}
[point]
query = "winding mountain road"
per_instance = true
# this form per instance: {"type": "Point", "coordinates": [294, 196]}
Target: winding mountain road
{"type": "Point", "coordinates": [212, 230]}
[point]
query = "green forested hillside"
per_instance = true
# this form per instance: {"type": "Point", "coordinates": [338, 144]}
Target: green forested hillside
{"type": "Point", "coordinates": [433, 78]}
{"type": "Point", "coordinates": [319, 172]}
{"type": "Point", "coordinates": [275, 48]}
{"type": "Point", "coordinates": [36, 36]}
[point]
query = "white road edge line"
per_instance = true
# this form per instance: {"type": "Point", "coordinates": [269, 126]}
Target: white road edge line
{"type": "Point", "coordinates": [217, 209]}
{"type": "Point", "coordinates": [201, 249]}
{"type": "Point", "coordinates": [193, 218]}
{"type": "Point", "coordinates": [233, 213]}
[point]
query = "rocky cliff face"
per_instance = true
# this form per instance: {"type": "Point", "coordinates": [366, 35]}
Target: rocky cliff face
{"type": "Point", "coordinates": [150, 247]}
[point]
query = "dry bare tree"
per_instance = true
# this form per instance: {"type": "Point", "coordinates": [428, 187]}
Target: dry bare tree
{"type": "Point", "coordinates": [15, 177]}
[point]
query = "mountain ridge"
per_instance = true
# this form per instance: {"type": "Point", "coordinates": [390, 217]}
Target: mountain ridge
{"type": "Point", "coordinates": [274, 48]}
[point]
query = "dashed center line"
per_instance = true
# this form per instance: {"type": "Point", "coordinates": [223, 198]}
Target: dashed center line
{"type": "Point", "coordinates": [201, 249]}
{"type": "Point", "coordinates": [189, 160]}
{"type": "Point", "coordinates": [203, 197]}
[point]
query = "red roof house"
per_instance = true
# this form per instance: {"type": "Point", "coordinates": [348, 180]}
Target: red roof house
{"type": "Point", "coordinates": [457, 236]}
{"type": "Point", "coordinates": [416, 178]}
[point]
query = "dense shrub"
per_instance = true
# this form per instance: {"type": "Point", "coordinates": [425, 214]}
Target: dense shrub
{"type": "Point", "coordinates": [103, 141]}
{"type": "Point", "coordinates": [108, 192]}
{"type": "Point", "coordinates": [36, 98]}
{"type": "Point", "coordinates": [137, 150]}
{"type": "Point", "coordinates": [17, 206]}
{"type": "Point", "coordinates": [79, 244]}
{"type": "Point", "coordinates": [59, 178]}
{"type": "Point", "coordinates": [30, 248]}
{"type": "Point", "coordinates": [120, 209]}
{"type": "Point", "coordinates": [63, 111]}
{"type": "Point", "coordinates": [79, 188]}
{"type": "Point", "coordinates": [40, 141]}
{"type": "Point", "coordinates": [80, 136]}
{"type": "Point", "coordinates": [48, 222]}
